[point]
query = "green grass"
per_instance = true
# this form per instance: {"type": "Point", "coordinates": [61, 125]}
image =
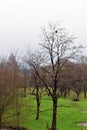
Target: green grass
{"type": "Point", "coordinates": [69, 113]}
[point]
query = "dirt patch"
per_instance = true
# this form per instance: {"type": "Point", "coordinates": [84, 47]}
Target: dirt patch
{"type": "Point", "coordinates": [82, 124]}
{"type": "Point", "coordinates": [3, 129]}
{"type": "Point", "coordinates": [84, 111]}
{"type": "Point", "coordinates": [13, 128]}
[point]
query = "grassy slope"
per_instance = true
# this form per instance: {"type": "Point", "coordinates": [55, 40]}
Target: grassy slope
{"type": "Point", "coordinates": [68, 114]}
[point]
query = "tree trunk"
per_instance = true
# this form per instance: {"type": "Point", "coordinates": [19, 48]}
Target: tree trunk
{"type": "Point", "coordinates": [33, 91]}
{"type": "Point", "coordinates": [65, 93]}
{"type": "Point", "coordinates": [17, 120]}
{"type": "Point", "coordinates": [84, 93]}
{"type": "Point", "coordinates": [38, 103]}
{"type": "Point", "coordinates": [0, 121]}
{"type": "Point", "coordinates": [24, 91]}
{"type": "Point", "coordinates": [17, 105]}
{"type": "Point", "coordinates": [53, 127]}
{"type": "Point", "coordinates": [78, 96]}
{"type": "Point", "coordinates": [38, 109]}
{"type": "Point", "coordinates": [61, 92]}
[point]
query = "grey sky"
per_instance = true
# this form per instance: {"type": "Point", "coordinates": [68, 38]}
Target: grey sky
{"type": "Point", "coordinates": [20, 20]}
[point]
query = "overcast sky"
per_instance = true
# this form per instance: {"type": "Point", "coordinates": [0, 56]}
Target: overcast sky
{"type": "Point", "coordinates": [20, 20]}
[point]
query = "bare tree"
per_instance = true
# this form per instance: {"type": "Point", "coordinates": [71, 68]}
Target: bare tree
{"type": "Point", "coordinates": [6, 88]}
{"type": "Point", "coordinates": [83, 62]}
{"type": "Point", "coordinates": [16, 81]}
{"type": "Point", "coordinates": [37, 85]}
{"type": "Point", "coordinates": [25, 77]}
{"type": "Point", "coordinates": [57, 47]}
{"type": "Point", "coordinates": [66, 79]}
{"type": "Point", "coordinates": [80, 69]}
{"type": "Point", "coordinates": [34, 80]}
{"type": "Point", "coordinates": [77, 82]}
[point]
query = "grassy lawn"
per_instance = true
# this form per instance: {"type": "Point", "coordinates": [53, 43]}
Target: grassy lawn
{"type": "Point", "coordinates": [69, 113]}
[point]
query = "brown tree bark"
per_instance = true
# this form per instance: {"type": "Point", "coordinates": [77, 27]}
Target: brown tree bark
{"type": "Point", "coordinates": [53, 127]}
{"type": "Point", "coordinates": [38, 103]}
{"type": "Point", "coordinates": [48, 64]}
{"type": "Point", "coordinates": [0, 121]}
{"type": "Point", "coordinates": [85, 93]}
{"type": "Point", "coordinates": [38, 110]}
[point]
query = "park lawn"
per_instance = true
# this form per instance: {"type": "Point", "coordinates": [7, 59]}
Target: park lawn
{"type": "Point", "coordinates": [69, 113]}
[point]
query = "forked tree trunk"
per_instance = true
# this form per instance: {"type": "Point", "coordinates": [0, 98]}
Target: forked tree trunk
{"type": "Point", "coordinates": [53, 127]}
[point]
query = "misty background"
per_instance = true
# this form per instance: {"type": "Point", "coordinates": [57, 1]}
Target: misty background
{"type": "Point", "coordinates": [20, 21]}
